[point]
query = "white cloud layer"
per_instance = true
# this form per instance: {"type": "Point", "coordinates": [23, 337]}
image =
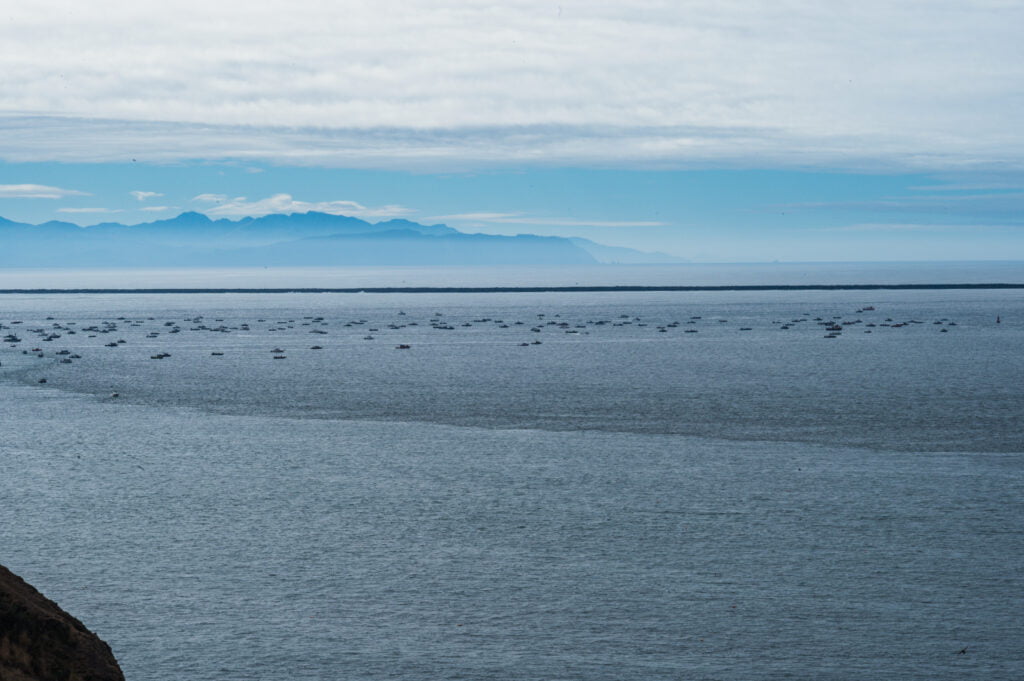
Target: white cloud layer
{"type": "Point", "coordinates": [36, 191]}
{"type": "Point", "coordinates": [440, 83]}
{"type": "Point", "coordinates": [285, 204]}
{"type": "Point", "coordinates": [143, 196]}
{"type": "Point", "coordinates": [520, 219]}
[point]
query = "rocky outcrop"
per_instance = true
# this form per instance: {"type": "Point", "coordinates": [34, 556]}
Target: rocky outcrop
{"type": "Point", "coordinates": [41, 642]}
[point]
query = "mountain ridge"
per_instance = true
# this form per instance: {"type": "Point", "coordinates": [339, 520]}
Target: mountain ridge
{"type": "Point", "coordinates": [295, 239]}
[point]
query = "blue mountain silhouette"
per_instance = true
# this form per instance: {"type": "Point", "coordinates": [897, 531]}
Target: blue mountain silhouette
{"type": "Point", "coordinates": [298, 239]}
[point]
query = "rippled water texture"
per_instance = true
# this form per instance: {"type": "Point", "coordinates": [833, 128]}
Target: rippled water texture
{"type": "Point", "coordinates": [615, 502]}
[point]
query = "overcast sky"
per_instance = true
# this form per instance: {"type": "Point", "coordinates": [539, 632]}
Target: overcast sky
{"type": "Point", "coordinates": [915, 104]}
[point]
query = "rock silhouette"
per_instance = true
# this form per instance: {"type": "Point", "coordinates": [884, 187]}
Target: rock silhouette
{"type": "Point", "coordinates": [41, 642]}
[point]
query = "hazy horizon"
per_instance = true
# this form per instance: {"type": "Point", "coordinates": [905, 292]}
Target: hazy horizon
{"type": "Point", "coordinates": [339, 340]}
{"type": "Point", "coordinates": [711, 133]}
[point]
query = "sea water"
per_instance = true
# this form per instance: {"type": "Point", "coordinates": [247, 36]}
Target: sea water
{"type": "Point", "coordinates": [666, 486]}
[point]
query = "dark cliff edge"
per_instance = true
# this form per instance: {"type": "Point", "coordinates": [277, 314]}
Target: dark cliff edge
{"type": "Point", "coordinates": [41, 642]}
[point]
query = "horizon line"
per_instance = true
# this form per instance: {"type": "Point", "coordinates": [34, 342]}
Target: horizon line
{"type": "Point", "coordinates": [519, 289]}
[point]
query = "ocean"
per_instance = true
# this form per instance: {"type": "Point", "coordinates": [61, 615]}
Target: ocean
{"type": "Point", "coordinates": [780, 484]}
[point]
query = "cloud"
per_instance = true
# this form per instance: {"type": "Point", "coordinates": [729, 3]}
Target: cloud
{"type": "Point", "coordinates": [156, 209]}
{"type": "Point", "coordinates": [478, 217]}
{"type": "Point", "coordinates": [468, 83]}
{"type": "Point", "coordinates": [88, 210]}
{"type": "Point", "coordinates": [285, 204]}
{"type": "Point", "coordinates": [142, 196]}
{"type": "Point", "coordinates": [213, 198]}
{"type": "Point", "coordinates": [519, 219]}
{"type": "Point", "coordinates": [36, 191]}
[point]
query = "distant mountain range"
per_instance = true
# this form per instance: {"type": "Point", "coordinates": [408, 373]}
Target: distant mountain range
{"type": "Point", "coordinates": [299, 239]}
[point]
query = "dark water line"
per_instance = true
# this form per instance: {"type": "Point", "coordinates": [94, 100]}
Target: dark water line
{"type": "Point", "coordinates": [524, 289]}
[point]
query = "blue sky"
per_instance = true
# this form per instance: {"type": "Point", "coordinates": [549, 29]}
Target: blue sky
{"type": "Point", "coordinates": [713, 131]}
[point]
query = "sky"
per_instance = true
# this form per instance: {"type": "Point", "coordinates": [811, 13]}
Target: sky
{"type": "Point", "coordinates": [714, 131]}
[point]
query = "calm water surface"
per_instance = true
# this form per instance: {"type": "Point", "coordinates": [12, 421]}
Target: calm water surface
{"type": "Point", "coordinates": [615, 502]}
{"type": "Point", "coordinates": [689, 274]}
